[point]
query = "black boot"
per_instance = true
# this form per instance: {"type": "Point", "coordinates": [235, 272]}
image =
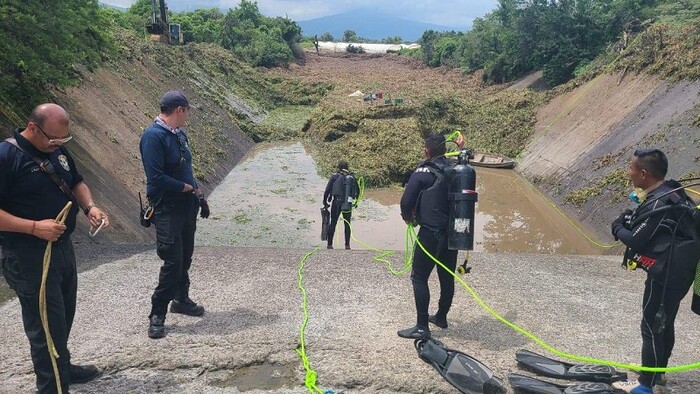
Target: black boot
{"type": "Point", "coordinates": [156, 328]}
{"type": "Point", "coordinates": [186, 307]}
{"type": "Point", "coordinates": [438, 320]}
{"type": "Point", "coordinates": [184, 304]}
{"type": "Point", "coordinates": [415, 332]}
{"type": "Point", "coordinates": [82, 373]}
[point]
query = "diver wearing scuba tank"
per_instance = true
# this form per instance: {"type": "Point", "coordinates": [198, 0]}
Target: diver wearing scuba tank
{"type": "Point", "coordinates": [341, 193]}
{"type": "Point", "coordinates": [659, 239]}
{"type": "Point", "coordinates": [425, 202]}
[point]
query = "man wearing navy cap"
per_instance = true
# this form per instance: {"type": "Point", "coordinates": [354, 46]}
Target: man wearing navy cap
{"type": "Point", "coordinates": [176, 197]}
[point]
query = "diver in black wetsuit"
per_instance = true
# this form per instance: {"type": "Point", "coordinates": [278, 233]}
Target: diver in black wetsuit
{"type": "Point", "coordinates": [663, 245]}
{"type": "Point", "coordinates": [424, 202]}
{"type": "Point", "coordinates": [341, 194]}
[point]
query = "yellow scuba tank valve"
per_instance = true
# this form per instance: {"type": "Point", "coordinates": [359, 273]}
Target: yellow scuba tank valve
{"type": "Point", "coordinates": [463, 268]}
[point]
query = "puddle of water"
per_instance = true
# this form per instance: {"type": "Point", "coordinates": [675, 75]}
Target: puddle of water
{"type": "Point", "coordinates": [273, 198]}
{"type": "Point", "coordinates": [259, 377]}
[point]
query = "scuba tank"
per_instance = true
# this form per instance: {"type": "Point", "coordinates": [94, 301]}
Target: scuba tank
{"type": "Point", "coordinates": [462, 197]}
{"type": "Point", "coordinates": [344, 190]}
{"type": "Point", "coordinates": [349, 193]}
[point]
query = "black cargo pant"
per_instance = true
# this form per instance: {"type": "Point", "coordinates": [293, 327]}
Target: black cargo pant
{"type": "Point", "coordinates": [22, 268]}
{"type": "Point", "coordinates": [335, 215]}
{"type": "Point", "coordinates": [175, 219]}
{"type": "Point", "coordinates": [434, 242]}
{"type": "Point", "coordinates": [657, 347]}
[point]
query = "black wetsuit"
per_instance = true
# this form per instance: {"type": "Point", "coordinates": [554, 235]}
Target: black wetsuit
{"type": "Point", "coordinates": [336, 207]}
{"type": "Point", "coordinates": [433, 236]}
{"type": "Point", "coordinates": [648, 235]}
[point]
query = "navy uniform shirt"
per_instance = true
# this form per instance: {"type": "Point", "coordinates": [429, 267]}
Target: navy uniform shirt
{"type": "Point", "coordinates": [28, 193]}
{"type": "Point", "coordinates": [161, 152]}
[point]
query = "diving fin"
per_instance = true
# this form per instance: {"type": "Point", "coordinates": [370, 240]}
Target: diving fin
{"type": "Point", "coordinates": [557, 369]}
{"type": "Point", "coordinates": [462, 371]}
{"type": "Point", "coordinates": [528, 385]}
{"type": "Point", "coordinates": [325, 222]}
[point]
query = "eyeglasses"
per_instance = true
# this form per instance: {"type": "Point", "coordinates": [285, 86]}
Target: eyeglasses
{"type": "Point", "coordinates": [54, 141]}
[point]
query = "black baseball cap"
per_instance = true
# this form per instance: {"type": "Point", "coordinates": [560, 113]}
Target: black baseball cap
{"type": "Point", "coordinates": [174, 99]}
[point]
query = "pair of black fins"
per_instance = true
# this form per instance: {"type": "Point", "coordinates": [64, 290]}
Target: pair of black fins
{"type": "Point", "coordinates": [470, 376]}
{"type": "Point", "coordinates": [461, 370]}
{"type": "Point", "coordinates": [325, 222]}
{"type": "Point", "coordinates": [596, 378]}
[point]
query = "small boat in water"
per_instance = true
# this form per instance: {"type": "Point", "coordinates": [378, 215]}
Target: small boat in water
{"type": "Point", "coordinates": [492, 160]}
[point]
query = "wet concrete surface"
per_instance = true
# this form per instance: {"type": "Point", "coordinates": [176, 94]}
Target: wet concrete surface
{"type": "Point", "coordinates": [585, 305]}
{"type": "Point", "coordinates": [274, 195]}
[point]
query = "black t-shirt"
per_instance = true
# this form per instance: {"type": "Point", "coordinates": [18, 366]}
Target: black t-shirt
{"type": "Point", "coordinates": [28, 193]}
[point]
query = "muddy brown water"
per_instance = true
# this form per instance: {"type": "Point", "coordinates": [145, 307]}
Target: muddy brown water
{"type": "Point", "coordinates": [274, 195]}
{"type": "Point", "coordinates": [266, 376]}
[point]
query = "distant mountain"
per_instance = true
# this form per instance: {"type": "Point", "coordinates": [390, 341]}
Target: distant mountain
{"type": "Point", "coordinates": [369, 24]}
{"type": "Point", "coordinates": [115, 7]}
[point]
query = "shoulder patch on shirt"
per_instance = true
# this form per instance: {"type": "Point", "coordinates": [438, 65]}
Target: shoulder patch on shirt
{"type": "Point", "coordinates": [63, 160]}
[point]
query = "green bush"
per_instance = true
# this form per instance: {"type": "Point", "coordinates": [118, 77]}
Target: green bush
{"type": "Point", "coordinates": [260, 40]}
{"type": "Point", "coordinates": [354, 49]}
{"type": "Point", "coordinates": [41, 46]}
{"type": "Point", "coordinates": [558, 37]}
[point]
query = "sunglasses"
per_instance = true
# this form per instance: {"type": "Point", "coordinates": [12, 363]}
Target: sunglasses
{"type": "Point", "coordinates": [52, 140]}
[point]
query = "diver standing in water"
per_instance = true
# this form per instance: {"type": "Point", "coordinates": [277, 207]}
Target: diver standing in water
{"type": "Point", "coordinates": [659, 239]}
{"type": "Point", "coordinates": [341, 194]}
{"type": "Point", "coordinates": [425, 202]}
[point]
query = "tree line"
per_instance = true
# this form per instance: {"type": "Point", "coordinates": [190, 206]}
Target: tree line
{"type": "Point", "coordinates": [48, 46]}
{"type": "Point", "coordinates": [44, 47]}
{"type": "Point", "coordinates": [558, 37]}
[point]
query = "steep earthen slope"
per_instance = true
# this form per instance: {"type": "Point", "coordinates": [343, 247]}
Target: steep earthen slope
{"type": "Point", "coordinates": [584, 139]}
{"type": "Point", "coordinates": [109, 111]}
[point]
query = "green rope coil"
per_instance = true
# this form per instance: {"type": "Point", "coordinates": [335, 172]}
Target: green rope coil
{"type": "Point", "coordinates": [311, 375]}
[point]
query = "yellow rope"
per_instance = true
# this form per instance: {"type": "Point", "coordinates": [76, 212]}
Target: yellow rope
{"type": "Point", "coordinates": [311, 375]}
{"type": "Point", "coordinates": [383, 254]}
{"type": "Point", "coordinates": [43, 313]}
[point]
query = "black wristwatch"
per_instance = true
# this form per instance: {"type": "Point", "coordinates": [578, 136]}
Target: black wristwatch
{"type": "Point", "coordinates": [87, 209]}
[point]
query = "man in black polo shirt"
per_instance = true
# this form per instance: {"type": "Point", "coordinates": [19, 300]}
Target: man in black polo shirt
{"type": "Point", "coordinates": [173, 191]}
{"type": "Point", "coordinates": [29, 201]}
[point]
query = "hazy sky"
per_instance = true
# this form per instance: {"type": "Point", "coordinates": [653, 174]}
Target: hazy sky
{"type": "Point", "coordinates": [454, 13]}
